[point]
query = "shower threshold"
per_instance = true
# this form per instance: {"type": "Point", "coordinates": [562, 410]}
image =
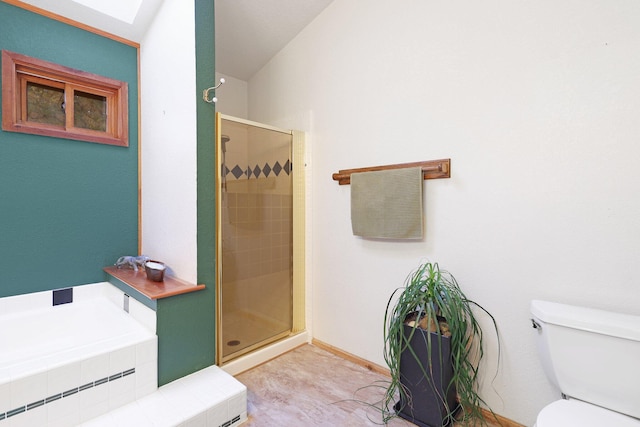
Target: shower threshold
{"type": "Point", "coordinates": [230, 344]}
{"type": "Point", "coordinates": [262, 355]}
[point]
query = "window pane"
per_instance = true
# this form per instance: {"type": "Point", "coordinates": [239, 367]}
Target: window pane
{"type": "Point", "coordinates": [90, 111]}
{"type": "Point", "coordinates": [45, 104]}
{"type": "Point", "coordinates": [48, 99]}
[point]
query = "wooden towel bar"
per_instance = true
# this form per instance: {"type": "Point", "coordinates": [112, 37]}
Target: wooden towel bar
{"type": "Point", "coordinates": [431, 169]}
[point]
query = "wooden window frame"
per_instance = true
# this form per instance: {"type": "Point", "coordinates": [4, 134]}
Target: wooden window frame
{"type": "Point", "coordinates": [18, 70]}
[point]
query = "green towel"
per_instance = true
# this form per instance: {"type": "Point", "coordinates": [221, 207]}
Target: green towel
{"type": "Point", "coordinates": [387, 204]}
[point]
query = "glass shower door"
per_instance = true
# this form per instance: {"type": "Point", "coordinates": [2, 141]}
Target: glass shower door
{"type": "Point", "coordinates": [255, 247]}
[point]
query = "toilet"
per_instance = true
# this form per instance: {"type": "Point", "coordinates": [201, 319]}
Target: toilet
{"type": "Point", "coordinates": [593, 358]}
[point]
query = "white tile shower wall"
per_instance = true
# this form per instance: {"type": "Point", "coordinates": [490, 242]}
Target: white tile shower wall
{"type": "Point", "coordinates": [261, 236]}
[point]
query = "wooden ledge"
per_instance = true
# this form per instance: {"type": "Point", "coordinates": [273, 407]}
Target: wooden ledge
{"type": "Point", "coordinates": [169, 287]}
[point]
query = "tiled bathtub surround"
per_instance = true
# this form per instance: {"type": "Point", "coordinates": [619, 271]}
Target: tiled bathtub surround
{"type": "Point", "coordinates": [207, 398]}
{"type": "Point", "coordinates": [54, 359]}
{"type": "Point", "coordinates": [101, 382]}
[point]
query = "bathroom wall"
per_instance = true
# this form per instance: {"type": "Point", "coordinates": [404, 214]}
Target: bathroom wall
{"type": "Point", "coordinates": [536, 103]}
{"type": "Point", "coordinates": [68, 208]}
{"type": "Point", "coordinates": [169, 139]}
{"type": "Point", "coordinates": [232, 97]}
{"type": "Point", "coordinates": [178, 178]}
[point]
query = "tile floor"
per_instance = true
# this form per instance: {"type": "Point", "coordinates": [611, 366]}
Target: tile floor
{"type": "Point", "coordinates": [312, 387]}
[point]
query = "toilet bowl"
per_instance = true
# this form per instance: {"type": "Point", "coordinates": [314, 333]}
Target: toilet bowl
{"type": "Point", "coordinates": [593, 358]}
{"type": "Point", "coordinates": [568, 413]}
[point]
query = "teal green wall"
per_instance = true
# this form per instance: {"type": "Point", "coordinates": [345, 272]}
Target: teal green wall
{"type": "Point", "coordinates": [206, 210]}
{"type": "Point", "coordinates": [67, 208]}
{"type": "Point", "coordinates": [185, 329]}
{"type": "Point", "coordinates": [186, 323]}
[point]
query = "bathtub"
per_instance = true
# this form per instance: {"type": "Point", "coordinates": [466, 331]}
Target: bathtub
{"type": "Point", "coordinates": [63, 364]}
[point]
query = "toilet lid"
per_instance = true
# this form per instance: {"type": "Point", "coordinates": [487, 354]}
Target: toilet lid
{"type": "Point", "coordinates": [569, 413]}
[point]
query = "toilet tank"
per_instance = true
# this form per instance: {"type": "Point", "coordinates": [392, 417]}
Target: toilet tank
{"type": "Point", "coordinates": [591, 355]}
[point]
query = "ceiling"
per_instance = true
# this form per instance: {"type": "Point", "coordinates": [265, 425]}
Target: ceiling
{"type": "Point", "coordinates": [248, 32]}
{"type": "Point", "coordinates": [128, 19]}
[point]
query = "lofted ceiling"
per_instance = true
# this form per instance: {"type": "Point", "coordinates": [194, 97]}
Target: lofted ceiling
{"type": "Point", "coordinates": [248, 32]}
{"type": "Point", "coordinates": [128, 19]}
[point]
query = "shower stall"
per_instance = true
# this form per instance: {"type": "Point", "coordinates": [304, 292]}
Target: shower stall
{"type": "Point", "coordinates": [258, 295]}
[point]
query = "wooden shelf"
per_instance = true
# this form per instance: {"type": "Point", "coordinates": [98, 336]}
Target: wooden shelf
{"type": "Point", "coordinates": [169, 287]}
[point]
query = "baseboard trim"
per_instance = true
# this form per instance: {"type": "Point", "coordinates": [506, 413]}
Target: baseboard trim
{"type": "Point", "coordinates": [504, 422]}
{"type": "Point", "coordinates": [351, 357]}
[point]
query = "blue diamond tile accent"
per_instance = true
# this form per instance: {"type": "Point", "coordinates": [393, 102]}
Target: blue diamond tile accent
{"type": "Point", "coordinates": [277, 168]}
{"type": "Point", "coordinates": [255, 172]}
{"type": "Point", "coordinates": [237, 172]}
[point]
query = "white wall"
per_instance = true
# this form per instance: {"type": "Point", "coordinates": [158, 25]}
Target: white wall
{"type": "Point", "coordinates": [168, 115]}
{"type": "Point", "coordinates": [537, 105]}
{"type": "Point", "coordinates": [232, 97]}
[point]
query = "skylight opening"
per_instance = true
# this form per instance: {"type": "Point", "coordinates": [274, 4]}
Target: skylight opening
{"type": "Point", "coordinates": [122, 10]}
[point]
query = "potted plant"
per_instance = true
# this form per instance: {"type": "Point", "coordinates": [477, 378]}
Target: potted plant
{"type": "Point", "coordinates": [433, 347]}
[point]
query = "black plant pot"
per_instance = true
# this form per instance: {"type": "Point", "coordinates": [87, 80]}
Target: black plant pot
{"type": "Point", "coordinates": [431, 400]}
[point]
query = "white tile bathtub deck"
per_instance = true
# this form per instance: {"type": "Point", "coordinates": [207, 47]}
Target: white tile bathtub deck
{"type": "Point", "coordinates": [65, 364]}
{"type": "Point", "coordinates": [207, 398]}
